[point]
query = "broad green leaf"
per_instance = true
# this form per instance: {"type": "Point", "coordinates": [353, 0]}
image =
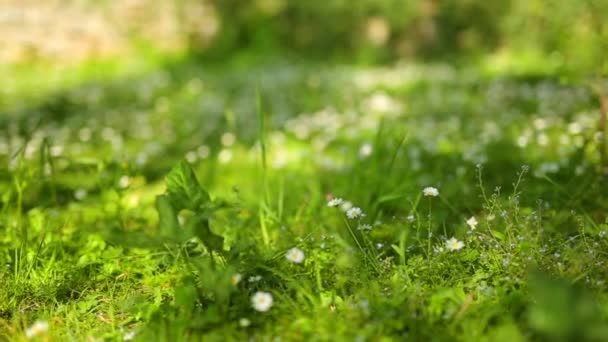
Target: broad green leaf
{"type": "Point", "coordinates": [199, 225]}
{"type": "Point", "coordinates": [184, 189]}
{"type": "Point", "coordinates": [167, 217]}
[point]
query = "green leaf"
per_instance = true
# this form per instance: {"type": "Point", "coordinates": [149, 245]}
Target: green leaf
{"type": "Point", "coordinates": [199, 225]}
{"type": "Point", "coordinates": [184, 189]}
{"type": "Point", "coordinates": [167, 217]}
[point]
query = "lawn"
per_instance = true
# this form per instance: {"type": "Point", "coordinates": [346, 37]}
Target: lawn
{"type": "Point", "coordinates": [170, 200]}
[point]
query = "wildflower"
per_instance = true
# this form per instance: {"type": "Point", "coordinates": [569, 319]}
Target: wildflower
{"type": "Point", "coordinates": [365, 150]}
{"type": "Point", "coordinates": [346, 205]}
{"type": "Point", "coordinates": [430, 191]}
{"type": "Point", "coordinates": [262, 301]}
{"type": "Point", "coordinates": [244, 322]}
{"type": "Point", "coordinates": [453, 244]}
{"type": "Point", "coordinates": [354, 213]}
{"type": "Point", "coordinates": [236, 278]}
{"type": "Point", "coordinates": [366, 227]}
{"type": "Point", "coordinates": [129, 335]}
{"type": "Point", "coordinates": [124, 182]}
{"type": "Point", "coordinates": [472, 222]}
{"type": "Point", "coordinates": [80, 194]}
{"type": "Point", "coordinates": [253, 279]}
{"type": "Point", "coordinates": [39, 328]}
{"type": "Point", "coordinates": [295, 255]}
{"type": "Point", "coordinates": [334, 202]}
{"type": "Point", "coordinates": [410, 218]}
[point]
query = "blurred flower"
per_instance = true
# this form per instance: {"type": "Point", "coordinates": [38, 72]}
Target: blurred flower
{"type": "Point", "coordinates": [430, 191]}
{"type": "Point", "coordinates": [80, 194]}
{"type": "Point", "coordinates": [262, 301]}
{"type": "Point", "coordinates": [295, 255]}
{"type": "Point", "coordinates": [244, 322]}
{"type": "Point", "coordinates": [129, 335]}
{"type": "Point", "coordinates": [124, 182]}
{"type": "Point", "coordinates": [254, 279]}
{"type": "Point", "coordinates": [366, 227]}
{"type": "Point", "coordinates": [378, 31]}
{"type": "Point", "coordinates": [334, 202]}
{"type": "Point", "coordinates": [346, 205]}
{"type": "Point", "coordinates": [354, 213]}
{"type": "Point", "coordinates": [453, 244]}
{"type": "Point", "coordinates": [365, 150]}
{"type": "Point", "coordinates": [472, 222]}
{"type": "Point", "coordinates": [236, 278]}
{"type": "Point", "coordinates": [39, 328]}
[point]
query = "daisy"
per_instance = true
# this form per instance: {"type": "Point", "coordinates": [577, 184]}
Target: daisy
{"type": "Point", "coordinates": [472, 222]}
{"type": "Point", "coordinates": [295, 255]}
{"type": "Point", "coordinates": [39, 328]}
{"type": "Point", "coordinates": [453, 244]}
{"type": "Point", "coordinates": [334, 202]}
{"type": "Point", "coordinates": [354, 213]}
{"type": "Point", "coordinates": [430, 191]}
{"type": "Point", "coordinates": [261, 301]}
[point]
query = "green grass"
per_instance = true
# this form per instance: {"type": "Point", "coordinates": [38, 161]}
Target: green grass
{"type": "Point", "coordinates": [105, 229]}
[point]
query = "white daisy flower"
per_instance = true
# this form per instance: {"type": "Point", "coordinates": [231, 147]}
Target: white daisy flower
{"type": "Point", "coordinates": [472, 222]}
{"type": "Point", "coordinates": [430, 191]}
{"type": "Point", "coordinates": [39, 328]}
{"type": "Point", "coordinates": [453, 244]}
{"type": "Point", "coordinates": [261, 301]}
{"type": "Point", "coordinates": [354, 213]}
{"type": "Point", "coordinates": [334, 202]}
{"type": "Point", "coordinates": [295, 255]}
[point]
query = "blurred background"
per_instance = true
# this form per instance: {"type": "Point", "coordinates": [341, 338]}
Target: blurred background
{"type": "Point", "coordinates": [570, 32]}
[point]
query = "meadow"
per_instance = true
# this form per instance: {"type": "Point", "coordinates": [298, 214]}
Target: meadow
{"type": "Point", "coordinates": [162, 199]}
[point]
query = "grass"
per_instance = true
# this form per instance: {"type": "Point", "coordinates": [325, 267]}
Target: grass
{"type": "Point", "coordinates": [129, 205]}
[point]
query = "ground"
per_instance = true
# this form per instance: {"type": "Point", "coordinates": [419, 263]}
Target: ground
{"type": "Point", "coordinates": [167, 199]}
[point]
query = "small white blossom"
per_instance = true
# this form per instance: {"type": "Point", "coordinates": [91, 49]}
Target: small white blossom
{"type": "Point", "coordinates": [80, 194]}
{"type": "Point", "coordinates": [410, 218]}
{"type": "Point", "coordinates": [253, 279]}
{"type": "Point", "coordinates": [366, 227]}
{"type": "Point", "coordinates": [354, 213]}
{"type": "Point", "coordinates": [262, 301]}
{"type": "Point", "coordinates": [430, 191]}
{"type": "Point", "coordinates": [472, 222]}
{"type": "Point", "coordinates": [244, 322]}
{"type": "Point", "coordinates": [129, 335]}
{"type": "Point", "coordinates": [346, 205]}
{"type": "Point", "coordinates": [453, 244]}
{"type": "Point", "coordinates": [124, 182]}
{"type": "Point", "coordinates": [39, 328]}
{"type": "Point", "coordinates": [295, 255]}
{"type": "Point", "coordinates": [365, 150]}
{"type": "Point", "coordinates": [334, 202]}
